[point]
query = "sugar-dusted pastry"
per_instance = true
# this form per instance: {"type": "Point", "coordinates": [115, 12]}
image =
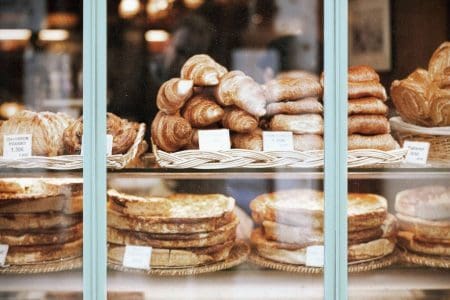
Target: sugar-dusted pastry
{"type": "Point", "coordinates": [368, 124]}
{"type": "Point", "coordinates": [362, 73]}
{"type": "Point", "coordinates": [173, 94]}
{"type": "Point", "coordinates": [292, 89]}
{"type": "Point", "coordinates": [383, 142]}
{"type": "Point", "coordinates": [306, 142]}
{"type": "Point", "coordinates": [300, 124]}
{"type": "Point", "coordinates": [170, 132]}
{"type": "Point", "coordinates": [367, 106]}
{"type": "Point", "coordinates": [310, 105]}
{"type": "Point", "coordinates": [363, 89]}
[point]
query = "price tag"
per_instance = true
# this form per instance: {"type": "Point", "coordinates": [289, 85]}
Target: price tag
{"type": "Point", "coordinates": [418, 152]}
{"type": "Point", "coordinates": [315, 256]}
{"type": "Point", "coordinates": [278, 141]}
{"type": "Point", "coordinates": [17, 145]}
{"type": "Point", "coordinates": [214, 139]}
{"type": "Point", "coordinates": [109, 144]}
{"type": "Point", "coordinates": [3, 253]}
{"type": "Point", "coordinates": [137, 257]}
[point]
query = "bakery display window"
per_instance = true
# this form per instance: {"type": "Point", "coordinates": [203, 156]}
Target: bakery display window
{"type": "Point", "coordinates": [41, 206]}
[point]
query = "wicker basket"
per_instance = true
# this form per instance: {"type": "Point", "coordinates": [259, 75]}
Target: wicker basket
{"type": "Point", "coordinates": [438, 137]}
{"type": "Point", "coordinates": [74, 162]}
{"type": "Point", "coordinates": [241, 158]}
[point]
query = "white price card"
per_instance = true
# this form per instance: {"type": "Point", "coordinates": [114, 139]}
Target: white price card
{"type": "Point", "coordinates": [214, 139]}
{"type": "Point", "coordinates": [137, 257]}
{"type": "Point", "coordinates": [109, 144]}
{"type": "Point", "coordinates": [418, 152]}
{"type": "Point", "coordinates": [17, 145]}
{"type": "Point", "coordinates": [3, 252]}
{"type": "Point", "coordinates": [315, 256]}
{"type": "Point", "coordinates": [278, 141]}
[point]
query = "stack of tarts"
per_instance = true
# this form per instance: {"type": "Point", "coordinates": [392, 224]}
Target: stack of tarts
{"type": "Point", "coordinates": [41, 224]}
{"type": "Point", "coordinates": [424, 219]}
{"type": "Point", "coordinates": [185, 231]}
{"type": "Point", "coordinates": [292, 220]}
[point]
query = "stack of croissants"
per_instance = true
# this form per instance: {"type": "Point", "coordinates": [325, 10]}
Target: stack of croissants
{"type": "Point", "coordinates": [207, 96]}
{"type": "Point", "coordinates": [423, 98]}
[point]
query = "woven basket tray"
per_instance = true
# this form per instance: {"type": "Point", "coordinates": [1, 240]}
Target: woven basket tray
{"type": "Point", "coordinates": [45, 267]}
{"type": "Point", "coordinates": [241, 158]}
{"type": "Point", "coordinates": [238, 255]}
{"type": "Point", "coordinates": [354, 267]}
{"type": "Point", "coordinates": [74, 162]}
{"type": "Point", "coordinates": [425, 260]}
{"type": "Point", "coordinates": [438, 137]}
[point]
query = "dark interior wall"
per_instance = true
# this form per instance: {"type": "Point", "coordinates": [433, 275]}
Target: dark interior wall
{"type": "Point", "coordinates": [418, 28]}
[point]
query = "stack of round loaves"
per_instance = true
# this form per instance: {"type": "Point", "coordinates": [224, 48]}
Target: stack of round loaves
{"type": "Point", "coordinates": [424, 219]}
{"type": "Point", "coordinates": [184, 230]}
{"type": "Point", "coordinates": [41, 219]}
{"type": "Point", "coordinates": [368, 126]}
{"type": "Point", "coordinates": [292, 221]}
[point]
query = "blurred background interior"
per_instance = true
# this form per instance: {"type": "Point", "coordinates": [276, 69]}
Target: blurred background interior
{"type": "Point", "coordinates": [149, 40]}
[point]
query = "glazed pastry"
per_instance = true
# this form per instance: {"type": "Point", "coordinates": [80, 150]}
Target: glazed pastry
{"type": "Point", "coordinates": [239, 120]}
{"type": "Point", "coordinates": [367, 106]}
{"type": "Point", "coordinates": [249, 141]}
{"type": "Point", "coordinates": [362, 73]}
{"type": "Point", "coordinates": [201, 111]}
{"type": "Point", "coordinates": [368, 124]}
{"type": "Point", "coordinates": [123, 133]}
{"type": "Point", "coordinates": [241, 90]}
{"type": "Point", "coordinates": [383, 142]}
{"type": "Point", "coordinates": [173, 94]}
{"type": "Point", "coordinates": [410, 97]}
{"type": "Point", "coordinates": [306, 142]}
{"type": "Point", "coordinates": [440, 106]}
{"type": "Point", "coordinates": [291, 89]}
{"type": "Point", "coordinates": [363, 89]}
{"type": "Point", "coordinates": [300, 124]}
{"type": "Point", "coordinates": [309, 105]}
{"type": "Point", "coordinates": [170, 132]}
{"type": "Point", "coordinates": [203, 70]}
{"type": "Point", "coordinates": [46, 128]}
{"type": "Point", "coordinates": [440, 60]}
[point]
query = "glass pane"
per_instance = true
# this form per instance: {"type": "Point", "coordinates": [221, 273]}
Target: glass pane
{"type": "Point", "coordinates": [398, 210]}
{"type": "Point", "coordinates": [41, 221]}
{"type": "Point", "coordinates": [204, 77]}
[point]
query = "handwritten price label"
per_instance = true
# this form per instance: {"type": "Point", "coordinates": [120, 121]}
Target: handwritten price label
{"type": "Point", "coordinates": [17, 145]}
{"type": "Point", "coordinates": [418, 152]}
{"type": "Point", "coordinates": [214, 139]}
{"type": "Point", "coordinates": [278, 141]}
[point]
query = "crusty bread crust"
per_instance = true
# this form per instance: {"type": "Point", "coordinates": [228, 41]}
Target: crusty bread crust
{"type": "Point", "coordinates": [20, 255]}
{"type": "Point", "coordinates": [178, 257]}
{"type": "Point", "coordinates": [39, 221]}
{"type": "Point", "coordinates": [407, 240]}
{"type": "Point", "coordinates": [58, 203]}
{"type": "Point", "coordinates": [424, 230]}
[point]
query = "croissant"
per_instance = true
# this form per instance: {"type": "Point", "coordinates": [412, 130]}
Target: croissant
{"type": "Point", "coordinates": [302, 106]}
{"type": "Point", "coordinates": [239, 120]}
{"type": "Point", "coordinates": [410, 97]}
{"type": "Point", "coordinates": [46, 129]}
{"type": "Point", "coordinates": [173, 94]}
{"type": "Point", "coordinates": [440, 106]}
{"type": "Point", "coordinates": [383, 142]}
{"type": "Point", "coordinates": [170, 132]}
{"type": "Point", "coordinates": [300, 124]}
{"type": "Point", "coordinates": [362, 73]}
{"type": "Point", "coordinates": [440, 60]}
{"type": "Point", "coordinates": [292, 89]}
{"type": "Point", "coordinates": [367, 106]}
{"type": "Point", "coordinates": [201, 111]}
{"type": "Point", "coordinates": [363, 89]}
{"type": "Point", "coordinates": [242, 91]}
{"type": "Point", "coordinates": [306, 142]}
{"type": "Point", "coordinates": [123, 133]}
{"type": "Point", "coordinates": [368, 124]}
{"type": "Point", "coordinates": [203, 70]}
{"type": "Point", "coordinates": [249, 141]}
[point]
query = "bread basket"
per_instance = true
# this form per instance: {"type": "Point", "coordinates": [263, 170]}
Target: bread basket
{"type": "Point", "coordinates": [74, 162]}
{"type": "Point", "coordinates": [438, 137]}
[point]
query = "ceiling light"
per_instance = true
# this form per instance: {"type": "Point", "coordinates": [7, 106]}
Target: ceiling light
{"type": "Point", "coordinates": [193, 4]}
{"type": "Point", "coordinates": [15, 34]}
{"type": "Point", "coordinates": [129, 8]}
{"type": "Point", "coordinates": [157, 36]}
{"type": "Point", "coordinates": [53, 35]}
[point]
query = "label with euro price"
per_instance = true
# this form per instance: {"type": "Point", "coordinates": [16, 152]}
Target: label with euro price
{"type": "Point", "coordinates": [214, 139]}
{"type": "Point", "coordinates": [3, 252]}
{"type": "Point", "coordinates": [278, 141]}
{"type": "Point", "coordinates": [417, 152]}
{"type": "Point", "coordinates": [17, 146]}
{"type": "Point", "coordinates": [137, 257]}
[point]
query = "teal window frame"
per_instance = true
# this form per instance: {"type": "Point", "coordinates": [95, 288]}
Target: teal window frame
{"type": "Point", "coordinates": [94, 167]}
